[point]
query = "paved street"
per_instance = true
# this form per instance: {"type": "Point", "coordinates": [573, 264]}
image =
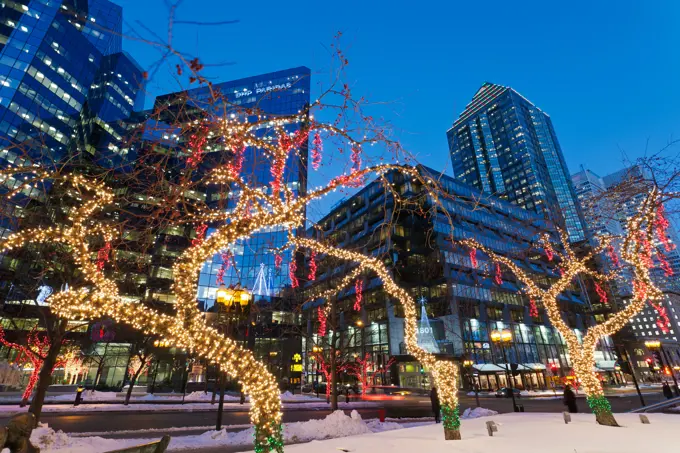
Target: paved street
{"type": "Point", "coordinates": [102, 422]}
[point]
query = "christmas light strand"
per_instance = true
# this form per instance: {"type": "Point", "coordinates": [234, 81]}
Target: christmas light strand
{"type": "Point", "coordinates": [635, 252]}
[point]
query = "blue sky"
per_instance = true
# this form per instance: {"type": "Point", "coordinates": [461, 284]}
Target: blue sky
{"type": "Point", "coordinates": [607, 72]}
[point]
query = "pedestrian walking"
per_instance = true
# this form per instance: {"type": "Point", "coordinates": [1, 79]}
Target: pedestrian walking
{"type": "Point", "coordinates": [436, 407]}
{"type": "Point", "coordinates": [570, 399]}
{"type": "Point", "coordinates": [667, 392]}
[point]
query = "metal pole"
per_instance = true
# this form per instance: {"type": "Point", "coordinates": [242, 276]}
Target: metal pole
{"type": "Point", "coordinates": [508, 374]}
{"type": "Point", "coordinates": [670, 367]}
{"type": "Point", "coordinates": [223, 378]}
{"type": "Point", "coordinates": [632, 373]}
{"type": "Point", "coordinates": [153, 383]}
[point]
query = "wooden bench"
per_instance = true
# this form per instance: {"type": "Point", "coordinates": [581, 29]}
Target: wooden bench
{"type": "Point", "coordinates": [153, 447]}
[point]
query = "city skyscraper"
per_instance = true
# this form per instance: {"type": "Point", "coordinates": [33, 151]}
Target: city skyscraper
{"type": "Point", "coordinates": [252, 262]}
{"type": "Point", "coordinates": [606, 218]}
{"type": "Point", "coordinates": [629, 207]}
{"type": "Point", "coordinates": [504, 145]}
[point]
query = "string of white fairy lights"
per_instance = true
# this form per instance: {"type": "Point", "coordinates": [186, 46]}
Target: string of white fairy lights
{"type": "Point", "coordinates": [583, 354]}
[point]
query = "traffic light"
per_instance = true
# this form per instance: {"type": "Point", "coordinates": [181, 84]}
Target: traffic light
{"type": "Point", "coordinates": [650, 364]}
{"type": "Point", "coordinates": [553, 368]}
{"type": "Point", "coordinates": [515, 369]}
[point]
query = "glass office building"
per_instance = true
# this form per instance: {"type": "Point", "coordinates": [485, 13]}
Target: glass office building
{"type": "Point", "coordinates": [459, 303]}
{"type": "Point", "coordinates": [504, 145]}
{"type": "Point", "coordinates": [103, 129]}
{"type": "Point", "coordinates": [48, 61]}
{"type": "Point", "coordinates": [275, 95]}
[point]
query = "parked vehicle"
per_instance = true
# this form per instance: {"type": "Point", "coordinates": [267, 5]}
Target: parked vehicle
{"type": "Point", "coordinates": [504, 392]}
{"type": "Point", "coordinates": [389, 392]}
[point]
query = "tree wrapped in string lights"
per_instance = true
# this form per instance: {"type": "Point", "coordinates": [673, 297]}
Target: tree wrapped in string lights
{"type": "Point", "coordinates": [91, 241]}
{"type": "Point", "coordinates": [33, 354]}
{"type": "Point", "coordinates": [642, 228]}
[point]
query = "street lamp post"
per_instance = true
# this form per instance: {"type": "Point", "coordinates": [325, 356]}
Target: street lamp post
{"type": "Point", "coordinates": [655, 345]}
{"type": "Point", "coordinates": [467, 364]}
{"type": "Point", "coordinates": [230, 300]}
{"type": "Point", "coordinates": [501, 338]}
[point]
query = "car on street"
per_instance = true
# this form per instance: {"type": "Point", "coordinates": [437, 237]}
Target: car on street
{"type": "Point", "coordinates": [390, 392]}
{"type": "Point", "coordinates": [504, 392]}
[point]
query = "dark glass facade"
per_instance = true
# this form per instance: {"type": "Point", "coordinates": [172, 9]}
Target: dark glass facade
{"type": "Point", "coordinates": [504, 145]}
{"type": "Point", "coordinates": [274, 95]}
{"type": "Point", "coordinates": [460, 304]}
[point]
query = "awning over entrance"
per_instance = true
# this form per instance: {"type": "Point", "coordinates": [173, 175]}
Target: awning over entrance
{"type": "Point", "coordinates": [487, 367]}
{"type": "Point", "coordinates": [494, 368]}
{"type": "Point", "coordinates": [607, 365]}
{"type": "Point", "coordinates": [535, 366]}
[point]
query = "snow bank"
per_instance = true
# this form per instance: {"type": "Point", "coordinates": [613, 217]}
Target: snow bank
{"type": "Point", "coordinates": [334, 425]}
{"type": "Point", "coordinates": [478, 412]}
{"type": "Point", "coordinates": [202, 396]}
{"type": "Point", "coordinates": [517, 433]}
{"type": "Point", "coordinates": [289, 397]}
{"type": "Point", "coordinates": [88, 395]}
{"type": "Point", "coordinates": [50, 440]}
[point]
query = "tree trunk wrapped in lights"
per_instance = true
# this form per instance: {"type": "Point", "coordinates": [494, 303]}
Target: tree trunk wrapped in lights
{"type": "Point", "coordinates": [636, 253]}
{"type": "Point", "coordinates": [187, 329]}
{"type": "Point", "coordinates": [252, 209]}
{"type": "Point", "coordinates": [444, 373]}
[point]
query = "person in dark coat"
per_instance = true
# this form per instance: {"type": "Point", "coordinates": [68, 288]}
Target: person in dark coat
{"type": "Point", "coordinates": [667, 392]}
{"type": "Point", "coordinates": [436, 407]}
{"type": "Point", "coordinates": [570, 399]}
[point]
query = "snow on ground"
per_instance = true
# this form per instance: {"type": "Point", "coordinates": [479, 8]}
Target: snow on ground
{"type": "Point", "coordinates": [287, 396]}
{"type": "Point", "coordinates": [517, 433]}
{"type": "Point", "coordinates": [88, 395]}
{"type": "Point", "coordinates": [477, 412]}
{"type": "Point", "coordinates": [334, 425]}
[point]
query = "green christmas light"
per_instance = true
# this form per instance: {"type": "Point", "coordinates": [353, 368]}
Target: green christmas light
{"type": "Point", "coordinates": [273, 443]}
{"type": "Point", "coordinates": [451, 417]}
{"type": "Point", "coordinates": [599, 404]}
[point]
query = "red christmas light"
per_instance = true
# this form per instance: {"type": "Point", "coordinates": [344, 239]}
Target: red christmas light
{"type": "Point", "coordinates": [35, 353]}
{"type": "Point", "coordinates": [601, 293]}
{"type": "Point", "coordinates": [498, 278]}
{"type": "Point", "coordinates": [663, 321]}
{"type": "Point", "coordinates": [355, 157]}
{"type": "Point", "coordinates": [196, 143]}
{"type": "Point", "coordinates": [317, 149]}
{"type": "Point", "coordinates": [312, 266]}
{"type": "Point", "coordinates": [278, 259]}
{"type": "Point", "coordinates": [473, 257]}
{"type": "Point", "coordinates": [646, 252]}
{"type": "Point", "coordinates": [533, 309]}
{"type": "Point", "coordinates": [661, 225]}
{"type": "Point", "coordinates": [226, 263]}
{"type": "Point", "coordinates": [358, 288]}
{"type": "Point", "coordinates": [549, 252]}
{"type": "Point", "coordinates": [103, 256]}
{"type": "Point", "coordinates": [323, 321]}
{"type": "Point", "coordinates": [613, 256]}
{"type": "Point", "coordinates": [292, 268]}
{"type": "Point", "coordinates": [667, 269]}
{"type": "Point", "coordinates": [200, 234]}
{"type": "Point", "coordinates": [361, 369]}
{"type": "Point", "coordinates": [236, 164]}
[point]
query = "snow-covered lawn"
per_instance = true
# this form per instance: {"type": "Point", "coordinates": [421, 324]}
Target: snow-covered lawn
{"type": "Point", "coordinates": [517, 433]}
